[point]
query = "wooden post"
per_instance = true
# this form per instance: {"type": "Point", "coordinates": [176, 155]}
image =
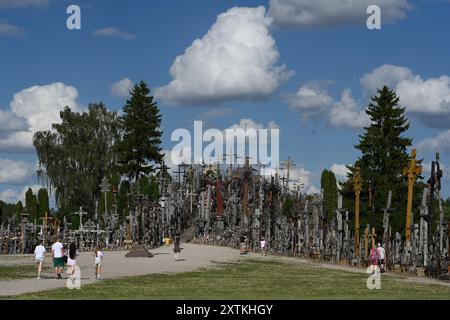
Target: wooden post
{"type": "Point", "coordinates": [366, 241]}
{"type": "Point", "coordinates": [357, 188]}
{"type": "Point", "coordinates": [374, 236]}
{"type": "Point", "coordinates": [411, 172]}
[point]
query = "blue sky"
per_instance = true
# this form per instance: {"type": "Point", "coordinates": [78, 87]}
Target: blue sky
{"type": "Point", "coordinates": [324, 56]}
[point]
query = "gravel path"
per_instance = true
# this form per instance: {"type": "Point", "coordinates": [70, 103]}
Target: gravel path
{"type": "Point", "coordinates": [193, 258]}
{"type": "Point", "coordinates": [115, 265]}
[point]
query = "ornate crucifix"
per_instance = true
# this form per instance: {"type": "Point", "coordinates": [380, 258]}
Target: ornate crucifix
{"type": "Point", "coordinates": [412, 171]}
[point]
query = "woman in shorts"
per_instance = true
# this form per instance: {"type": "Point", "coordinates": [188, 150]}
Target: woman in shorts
{"type": "Point", "coordinates": [98, 258]}
{"type": "Point", "coordinates": [71, 260]}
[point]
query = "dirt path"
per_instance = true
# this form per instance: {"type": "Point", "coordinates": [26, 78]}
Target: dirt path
{"type": "Point", "coordinates": [195, 257]}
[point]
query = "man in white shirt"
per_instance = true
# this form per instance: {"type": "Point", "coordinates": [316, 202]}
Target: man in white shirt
{"type": "Point", "coordinates": [39, 256]}
{"type": "Point", "coordinates": [58, 253]}
{"type": "Point", "coordinates": [382, 255]}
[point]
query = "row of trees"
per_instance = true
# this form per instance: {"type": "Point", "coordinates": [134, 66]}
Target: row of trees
{"type": "Point", "coordinates": [85, 147]}
{"type": "Point", "coordinates": [35, 206]}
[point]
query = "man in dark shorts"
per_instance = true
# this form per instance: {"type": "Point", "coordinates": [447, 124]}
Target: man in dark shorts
{"type": "Point", "coordinates": [58, 254]}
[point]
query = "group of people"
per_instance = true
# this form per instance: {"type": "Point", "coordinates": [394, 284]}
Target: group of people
{"type": "Point", "coordinates": [377, 259]}
{"type": "Point", "coordinates": [61, 258]}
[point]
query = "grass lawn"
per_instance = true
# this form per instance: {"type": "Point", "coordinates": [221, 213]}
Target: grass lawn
{"type": "Point", "coordinates": [251, 279]}
{"type": "Point", "coordinates": [15, 272]}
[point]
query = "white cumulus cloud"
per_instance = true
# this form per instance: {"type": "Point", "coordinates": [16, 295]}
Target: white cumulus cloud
{"type": "Point", "coordinates": [439, 143]}
{"type": "Point", "coordinates": [385, 75]}
{"type": "Point", "coordinates": [9, 121]}
{"type": "Point", "coordinates": [40, 106]}
{"type": "Point", "coordinates": [330, 13]}
{"type": "Point", "coordinates": [313, 101]}
{"type": "Point", "coordinates": [340, 171]}
{"type": "Point", "coordinates": [310, 100]}
{"type": "Point", "coordinates": [236, 59]}
{"type": "Point", "coordinates": [15, 172]}
{"type": "Point", "coordinates": [347, 113]}
{"type": "Point", "coordinates": [122, 88]}
{"type": "Point", "coordinates": [428, 98]}
{"type": "Point", "coordinates": [13, 195]}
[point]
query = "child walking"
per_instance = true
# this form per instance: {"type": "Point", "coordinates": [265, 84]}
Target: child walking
{"type": "Point", "coordinates": [39, 256]}
{"type": "Point", "coordinates": [98, 255]}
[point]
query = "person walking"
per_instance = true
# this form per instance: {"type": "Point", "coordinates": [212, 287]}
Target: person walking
{"type": "Point", "coordinates": [373, 260]}
{"type": "Point", "coordinates": [242, 247]}
{"type": "Point", "coordinates": [39, 256]}
{"type": "Point", "coordinates": [176, 246]}
{"type": "Point", "coordinates": [263, 246]}
{"type": "Point", "coordinates": [381, 256]}
{"type": "Point", "coordinates": [71, 260]}
{"type": "Point", "coordinates": [57, 254]}
{"type": "Point", "coordinates": [98, 260]}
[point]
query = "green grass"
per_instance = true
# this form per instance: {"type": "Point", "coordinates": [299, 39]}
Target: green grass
{"type": "Point", "coordinates": [251, 279]}
{"type": "Point", "coordinates": [15, 272]}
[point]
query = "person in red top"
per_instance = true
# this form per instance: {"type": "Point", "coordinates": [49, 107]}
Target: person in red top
{"type": "Point", "coordinates": [373, 259]}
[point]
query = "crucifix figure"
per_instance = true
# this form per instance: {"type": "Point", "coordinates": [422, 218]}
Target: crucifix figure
{"type": "Point", "coordinates": [81, 213]}
{"type": "Point", "coordinates": [412, 171]}
{"type": "Point", "coordinates": [288, 165]}
{"type": "Point", "coordinates": [218, 185]}
{"type": "Point", "coordinates": [357, 188]}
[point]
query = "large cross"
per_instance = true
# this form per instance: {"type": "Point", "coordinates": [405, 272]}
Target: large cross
{"type": "Point", "coordinates": [105, 189]}
{"type": "Point", "coordinates": [434, 184]}
{"type": "Point", "coordinates": [412, 171]}
{"type": "Point", "coordinates": [288, 165]}
{"type": "Point", "coordinates": [357, 188]}
{"type": "Point", "coordinates": [45, 225]}
{"type": "Point", "coordinates": [81, 213]}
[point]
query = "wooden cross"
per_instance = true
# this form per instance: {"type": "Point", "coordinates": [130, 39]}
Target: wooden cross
{"type": "Point", "coordinates": [412, 171]}
{"type": "Point", "coordinates": [45, 225]}
{"type": "Point", "coordinates": [357, 188]}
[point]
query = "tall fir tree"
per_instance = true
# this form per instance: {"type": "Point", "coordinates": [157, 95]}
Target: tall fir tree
{"type": "Point", "coordinates": [140, 148]}
{"type": "Point", "coordinates": [330, 193]}
{"type": "Point", "coordinates": [384, 154]}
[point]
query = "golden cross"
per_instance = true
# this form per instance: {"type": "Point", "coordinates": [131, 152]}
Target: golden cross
{"type": "Point", "coordinates": [411, 172]}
